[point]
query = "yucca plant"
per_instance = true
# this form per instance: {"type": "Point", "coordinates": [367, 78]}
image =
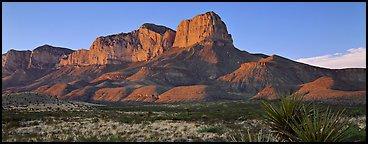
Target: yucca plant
{"type": "Point", "coordinates": [279, 116]}
{"type": "Point", "coordinates": [293, 121]}
{"type": "Point", "coordinates": [319, 127]}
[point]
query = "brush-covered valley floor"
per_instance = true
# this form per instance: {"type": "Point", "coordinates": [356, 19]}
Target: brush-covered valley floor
{"type": "Point", "coordinates": [202, 121]}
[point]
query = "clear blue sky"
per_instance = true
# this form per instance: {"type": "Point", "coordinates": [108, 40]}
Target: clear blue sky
{"type": "Point", "coordinates": [292, 30]}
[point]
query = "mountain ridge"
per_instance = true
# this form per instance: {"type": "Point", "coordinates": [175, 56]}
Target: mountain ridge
{"type": "Point", "coordinates": [154, 63]}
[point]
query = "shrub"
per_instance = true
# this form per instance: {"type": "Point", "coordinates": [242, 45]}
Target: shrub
{"type": "Point", "coordinates": [203, 116]}
{"type": "Point", "coordinates": [211, 130]}
{"type": "Point", "coordinates": [149, 113]}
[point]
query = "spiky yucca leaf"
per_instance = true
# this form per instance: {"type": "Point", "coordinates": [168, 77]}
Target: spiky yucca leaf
{"type": "Point", "coordinates": [277, 117]}
{"type": "Point", "coordinates": [319, 127]}
{"type": "Point", "coordinates": [293, 121]}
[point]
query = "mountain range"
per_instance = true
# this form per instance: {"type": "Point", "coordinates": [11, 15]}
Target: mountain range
{"type": "Point", "coordinates": [197, 62]}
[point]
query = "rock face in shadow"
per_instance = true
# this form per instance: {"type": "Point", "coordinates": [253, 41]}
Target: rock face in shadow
{"type": "Point", "coordinates": [23, 67]}
{"type": "Point", "coordinates": [13, 60]}
{"type": "Point", "coordinates": [46, 56]}
{"type": "Point", "coordinates": [43, 57]}
{"type": "Point", "coordinates": [198, 62]}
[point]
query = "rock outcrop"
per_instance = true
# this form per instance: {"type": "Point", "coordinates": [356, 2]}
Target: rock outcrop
{"type": "Point", "coordinates": [199, 28]}
{"type": "Point", "coordinates": [14, 60]}
{"type": "Point", "coordinates": [79, 57]}
{"type": "Point", "coordinates": [143, 44]}
{"type": "Point", "coordinates": [42, 57]}
{"type": "Point", "coordinates": [46, 56]}
{"type": "Point", "coordinates": [23, 67]}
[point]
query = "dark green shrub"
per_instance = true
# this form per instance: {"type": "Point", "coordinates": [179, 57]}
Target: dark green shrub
{"type": "Point", "coordinates": [212, 130]}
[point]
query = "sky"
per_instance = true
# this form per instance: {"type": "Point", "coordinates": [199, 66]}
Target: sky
{"type": "Point", "coordinates": [329, 34]}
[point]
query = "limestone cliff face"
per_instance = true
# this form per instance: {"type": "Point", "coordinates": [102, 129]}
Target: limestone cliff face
{"type": "Point", "coordinates": [46, 56]}
{"type": "Point", "coordinates": [150, 41]}
{"type": "Point", "coordinates": [14, 60]}
{"type": "Point", "coordinates": [79, 57]}
{"type": "Point", "coordinates": [3, 58]}
{"type": "Point", "coordinates": [204, 26]}
{"type": "Point", "coordinates": [23, 67]}
{"type": "Point", "coordinates": [43, 57]}
{"type": "Point", "coordinates": [143, 44]}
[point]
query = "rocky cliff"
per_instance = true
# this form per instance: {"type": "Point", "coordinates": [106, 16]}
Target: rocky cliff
{"type": "Point", "coordinates": [23, 67]}
{"type": "Point", "coordinates": [199, 28]}
{"type": "Point", "coordinates": [147, 42]}
{"type": "Point", "coordinates": [79, 57]}
{"type": "Point", "coordinates": [13, 60]}
{"type": "Point", "coordinates": [47, 56]}
{"type": "Point", "coordinates": [42, 57]}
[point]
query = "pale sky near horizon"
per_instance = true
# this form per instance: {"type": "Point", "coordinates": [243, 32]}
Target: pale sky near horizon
{"type": "Point", "coordinates": [324, 34]}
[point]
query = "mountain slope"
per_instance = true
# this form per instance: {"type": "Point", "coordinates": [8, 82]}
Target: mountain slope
{"type": "Point", "coordinates": [253, 77]}
{"type": "Point", "coordinates": [198, 62]}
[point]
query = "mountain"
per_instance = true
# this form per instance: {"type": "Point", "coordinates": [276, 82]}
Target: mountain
{"type": "Point", "coordinates": [154, 63]}
{"type": "Point", "coordinates": [276, 76]}
{"type": "Point", "coordinates": [24, 67]}
{"type": "Point", "coordinates": [147, 42]}
{"type": "Point", "coordinates": [199, 28]}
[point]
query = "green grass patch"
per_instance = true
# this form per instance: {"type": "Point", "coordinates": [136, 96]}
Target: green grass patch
{"type": "Point", "coordinates": [212, 129]}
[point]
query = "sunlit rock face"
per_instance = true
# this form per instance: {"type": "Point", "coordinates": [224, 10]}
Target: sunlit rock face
{"type": "Point", "coordinates": [199, 28]}
{"type": "Point", "coordinates": [79, 57]}
{"type": "Point", "coordinates": [143, 44]}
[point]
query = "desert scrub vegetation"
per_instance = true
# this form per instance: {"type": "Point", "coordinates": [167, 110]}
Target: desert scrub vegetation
{"type": "Point", "coordinates": [264, 135]}
{"type": "Point", "coordinates": [211, 121]}
{"type": "Point", "coordinates": [292, 121]}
